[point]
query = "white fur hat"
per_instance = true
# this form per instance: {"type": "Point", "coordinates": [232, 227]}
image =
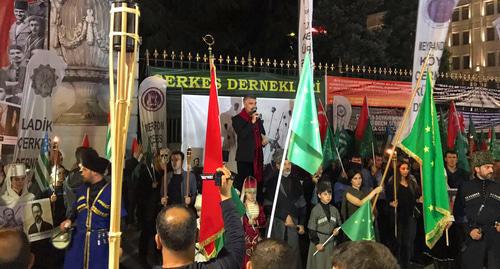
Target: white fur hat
{"type": "Point", "coordinates": [17, 170]}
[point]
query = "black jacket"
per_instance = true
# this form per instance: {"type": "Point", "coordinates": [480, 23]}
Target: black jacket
{"type": "Point", "coordinates": [291, 202]}
{"type": "Point", "coordinates": [246, 144]}
{"type": "Point", "coordinates": [231, 255]}
{"type": "Point", "coordinates": [148, 198]}
{"type": "Point", "coordinates": [479, 200]}
{"type": "Point", "coordinates": [44, 227]}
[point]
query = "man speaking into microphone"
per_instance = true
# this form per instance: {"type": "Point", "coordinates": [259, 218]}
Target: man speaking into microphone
{"type": "Point", "coordinates": [251, 138]}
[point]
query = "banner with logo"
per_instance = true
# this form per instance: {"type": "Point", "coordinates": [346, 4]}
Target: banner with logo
{"type": "Point", "coordinates": [432, 27]}
{"type": "Point", "coordinates": [341, 112]}
{"type": "Point", "coordinates": [153, 112]}
{"type": "Point", "coordinates": [276, 114]}
{"type": "Point", "coordinates": [260, 84]}
{"type": "Point", "coordinates": [305, 31]}
{"type": "Point", "coordinates": [44, 73]}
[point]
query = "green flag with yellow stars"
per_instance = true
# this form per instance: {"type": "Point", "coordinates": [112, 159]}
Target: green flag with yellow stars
{"type": "Point", "coordinates": [424, 145]}
{"type": "Point", "coordinates": [305, 141]}
{"type": "Point", "coordinates": [360, 225]}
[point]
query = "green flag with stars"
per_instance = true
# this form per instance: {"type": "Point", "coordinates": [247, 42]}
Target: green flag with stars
{"type": "Point", "coordinates": [424, 145]}
{"type": "Point", "coordinates": [305, 141]}
{"type": "Point", "coordinates": [360, 225]}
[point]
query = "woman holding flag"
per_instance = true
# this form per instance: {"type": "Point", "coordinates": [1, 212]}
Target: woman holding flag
{"type": "Point", "coordinates": [408, 195]}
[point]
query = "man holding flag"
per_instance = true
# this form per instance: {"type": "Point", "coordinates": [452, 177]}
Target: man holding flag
{"type": "Point", "coordinates": [176, 225]}
{"type": "Point", "coordinates": [302, 146]}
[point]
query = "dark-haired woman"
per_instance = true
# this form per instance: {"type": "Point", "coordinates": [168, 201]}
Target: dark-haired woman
{"type": "Point", "coordinates": [404, 199]}
{"type": "Point", "coordinates": [354, 197]}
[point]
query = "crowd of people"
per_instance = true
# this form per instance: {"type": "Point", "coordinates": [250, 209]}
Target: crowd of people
{"type": "Point", "coordinates": [162, 201]}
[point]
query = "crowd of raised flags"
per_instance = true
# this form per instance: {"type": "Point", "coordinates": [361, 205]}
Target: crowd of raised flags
{"type": "Point", "coordinates": [313, 142]}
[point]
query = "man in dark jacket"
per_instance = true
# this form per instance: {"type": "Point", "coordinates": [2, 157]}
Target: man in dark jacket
{"type": "Point", "coordinates": [39, 225]}
{"type": "Point", "coordinates": [290, 215]}
{"type": "Point", "coordinates": [176, 234]}
{"type": "Point", "coordinates": [479, 199]}
{"type": "Point", "coordinates": [251, 138]}
{"type": "Point", "coordinates": [148, 183]}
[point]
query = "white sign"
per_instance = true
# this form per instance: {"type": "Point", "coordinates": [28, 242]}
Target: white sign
{"type": "Point", "coordinates": [432, 28]}
{"type": "Point", "coordinates": [153, 112]}
{"type": "Point", "coordinates": [44, 73]}
{"type": "Point", "coordinates": [305, 31]}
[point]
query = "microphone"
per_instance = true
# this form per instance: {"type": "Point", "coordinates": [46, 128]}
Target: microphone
{"type": "Point", "coordinates": [254, 110]}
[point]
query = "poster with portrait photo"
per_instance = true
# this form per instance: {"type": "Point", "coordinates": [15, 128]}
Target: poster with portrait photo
{"type": "Point", "coordinates": [12, 217]}
{"type": "Point", "coordinates": [24, 28]}
{"type": "Point", "coordinates": [38, 223]}
{"type": "Point", "coordinates": [3, 118]}
{"type": "Point", "coordinates": [12, 121]}
{"type": "Point", "coordinates": [9, 127]}
{"type": "Point", "coordinates": [7, 153]}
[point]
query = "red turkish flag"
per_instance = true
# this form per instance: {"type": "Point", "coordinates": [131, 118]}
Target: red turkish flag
{"type": "Point", "coordinates": [453, 126]}
{"type": "Point", "coordinates": [322, 120]}
{"type": "Point", "coordinates": [211, 222]}
{"type": "Point", "coordinates": [85, 141]}
{"type": "Point", "coordinates": [362, 121]}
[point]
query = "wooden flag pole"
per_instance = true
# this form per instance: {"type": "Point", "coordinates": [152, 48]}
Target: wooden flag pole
{"type": "Point", "coordinates": [394, 180]}
{"type": "Point", "coordinates": [123, 40]}
{"type": "Point", "coordinates": [402, 124]}
{"type": "Point", "coordinates": [340, 160]}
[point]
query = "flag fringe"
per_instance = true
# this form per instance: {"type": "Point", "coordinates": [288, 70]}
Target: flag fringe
{"type": "Point", "coordinates": [430, 237]}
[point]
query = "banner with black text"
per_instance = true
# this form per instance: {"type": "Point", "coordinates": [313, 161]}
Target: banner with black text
{"type": "Point", "coordinates": [153, 112]}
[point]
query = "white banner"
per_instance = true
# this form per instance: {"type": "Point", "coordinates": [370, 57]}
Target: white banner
{"type": "Point", "coordinates": [305, 31]}
{"type": "Point", "coordinates": [276, 115]}
{"type": "Point", "coordinates": [153, 112]}
{"type": "Point", "coordinates": [342, 112]}
{"type": "Point", "coordinates": [432, 28]}
{"type": "Point", "coordinates": [44, 74]}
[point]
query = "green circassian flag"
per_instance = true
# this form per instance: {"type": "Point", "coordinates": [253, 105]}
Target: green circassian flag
{"type": "Point", "coordinates": [424, 145]}
{"type": "Point", "coordinates": [360, 225]}
{"type": "Point", "coordinates": [305, 142]}
{"type": "Point", "coordinates": [107, 149]}
{"type": "Point", "coordinates": [240, 207]}
{"type": "Point", "coordinates": [329, 154]}
{"type": "Point", "coordinates": [343, 142]}
{"type": "Point", "coordinates": [461, 148]}
{"type": "Point", "coordinates": [493, 147]}
{"type": "Point", "coordinates": [473, 138]}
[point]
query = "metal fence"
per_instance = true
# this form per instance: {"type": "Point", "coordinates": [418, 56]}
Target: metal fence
{"type": "Point", "coordinates": [200, 61]}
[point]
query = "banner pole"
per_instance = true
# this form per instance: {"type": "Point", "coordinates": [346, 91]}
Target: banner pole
{"type": "Point", "coordinates": [402, 124]}
{"type": "Point", "coordinates": [278, 183]}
